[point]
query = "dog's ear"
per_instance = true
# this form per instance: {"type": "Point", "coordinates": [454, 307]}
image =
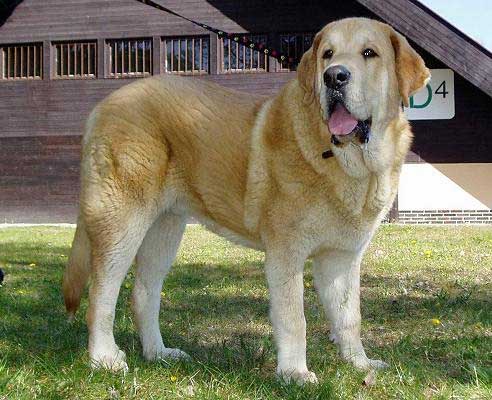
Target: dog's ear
{"type": "Point", "coordinates": [306, 70]}
{"type": "Point", "coordinates": [411, 72]}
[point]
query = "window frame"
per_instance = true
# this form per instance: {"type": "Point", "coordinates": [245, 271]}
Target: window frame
{"type": "Point", "coordinates": [280, 65]}
{"type": "Point", "coordinates": [5, 64]}
{"type": "Point", "coordinates": [193, 71]}
{"type": "Point", "coordinates": [121, 75]}
{"type": "Point", "coordinates": [92, 43]}
{"type": "Point", "coordinates": [251, 36]}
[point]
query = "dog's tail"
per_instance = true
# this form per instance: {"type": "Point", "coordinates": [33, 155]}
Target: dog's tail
{"type": "Point", "coordinates": [77, 270]}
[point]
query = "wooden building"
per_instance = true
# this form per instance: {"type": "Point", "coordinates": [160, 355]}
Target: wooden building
{"type": "Point", "coordinates": [58, 58]}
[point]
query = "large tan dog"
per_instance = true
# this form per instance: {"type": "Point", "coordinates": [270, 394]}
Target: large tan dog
{"type": "Point", "coordinates": [308, 173]}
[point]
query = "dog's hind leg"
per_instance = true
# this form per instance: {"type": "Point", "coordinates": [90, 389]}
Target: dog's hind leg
{"type": "Point", "coordinates": [154, 259]}
{"type": "Point", "coordinates": [113, 251]}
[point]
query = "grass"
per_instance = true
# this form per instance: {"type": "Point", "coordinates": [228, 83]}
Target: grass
{"type": "Point", "coordinates": [426, 306]}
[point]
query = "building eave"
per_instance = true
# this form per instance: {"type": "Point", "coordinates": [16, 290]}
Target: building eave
{"type": "Point", "coordinates": [453, 48]}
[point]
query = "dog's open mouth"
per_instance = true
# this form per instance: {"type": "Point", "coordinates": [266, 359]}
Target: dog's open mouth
{"type": "Point", "coordinates": [341, 123]}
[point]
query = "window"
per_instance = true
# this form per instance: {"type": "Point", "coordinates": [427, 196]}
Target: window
{"type": "Point", "coordinates": [130, 57]}
{"type": "Point", "coordinates": [240, 58]}
{"type": "Point", "coordinates": [75, 60]}
{"type": "Point", "coordinates": [293, 46]}
{"type": "Point", "coordinates": [187, 56]}
{"type": "Point", "coordinates": [23, 61]}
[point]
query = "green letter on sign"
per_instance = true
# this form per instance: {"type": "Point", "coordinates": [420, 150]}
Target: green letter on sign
{"type": "Point", "coordinates": [427, 102]}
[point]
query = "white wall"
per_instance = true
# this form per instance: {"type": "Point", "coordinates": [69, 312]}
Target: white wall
{"type": "Point", "coordinates": [445, 187]}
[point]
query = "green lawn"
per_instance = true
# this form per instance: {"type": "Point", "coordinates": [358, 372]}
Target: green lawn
{"type": "Point", "coordinates": [426, 306]}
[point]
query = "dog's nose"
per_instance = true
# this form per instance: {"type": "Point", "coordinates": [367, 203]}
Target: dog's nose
{"type": "Point", "coordinates": [337, 76]}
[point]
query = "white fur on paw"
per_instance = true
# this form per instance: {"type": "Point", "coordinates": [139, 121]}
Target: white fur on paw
{"type": "Point", "coordinates": [114, 361]}
{"type": "Point", "coordinates": [169, 354]}
{"type": "Point", "coordinates": [298, 377]}
{"type": "Point", "coordinates": [378, 364]}
{"type": "Point", "coordinates": [364, 363]}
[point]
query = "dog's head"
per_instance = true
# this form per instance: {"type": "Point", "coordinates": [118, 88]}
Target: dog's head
{"type": "Point", "coordinates": [357, 72]}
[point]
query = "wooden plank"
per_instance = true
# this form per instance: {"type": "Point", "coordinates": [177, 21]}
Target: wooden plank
{"type": "Point", "coordinates": [212, 68]}
{"type": "Point", "coordinates": [102, 60]}
{"type": "Point", "coordinates": [452, 49]}
{"type": "Point", "coordinates": [2, 65]}
{"type": "Point", "coordinates": [158, 55]}
{"type": "Point", "coordinates": [47, 57]}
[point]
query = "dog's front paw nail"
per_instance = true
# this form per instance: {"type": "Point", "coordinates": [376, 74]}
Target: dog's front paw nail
{"type": "Point", "coordinates": [333, 338]}
{"type": "Point", "coordinates": [298, 377]}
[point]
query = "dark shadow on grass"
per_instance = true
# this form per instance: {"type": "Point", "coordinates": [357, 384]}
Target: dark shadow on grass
{"type": "Point", "coordinates": [34, 326]}
{"type": "Point", "coordinates": [446, 358]}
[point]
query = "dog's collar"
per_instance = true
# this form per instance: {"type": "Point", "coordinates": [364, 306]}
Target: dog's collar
{"type": "Point", "coordinates": [327, 154]}
{"type": "Point", "coordinates": [363, 134]}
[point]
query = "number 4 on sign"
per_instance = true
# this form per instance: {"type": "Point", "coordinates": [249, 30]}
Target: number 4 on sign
{"type": "Point", "coordinates": [443, 92]}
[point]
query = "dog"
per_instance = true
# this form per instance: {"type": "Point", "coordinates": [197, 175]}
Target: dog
{"type": "Point", "coordinates": [308, 173]}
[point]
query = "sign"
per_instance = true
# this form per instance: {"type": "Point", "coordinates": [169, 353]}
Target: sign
{"type": "Point", "coordinates": [436, 99]}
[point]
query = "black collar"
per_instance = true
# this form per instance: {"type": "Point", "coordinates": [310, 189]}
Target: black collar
{"type": "Point", "coordinates": [327, 154]}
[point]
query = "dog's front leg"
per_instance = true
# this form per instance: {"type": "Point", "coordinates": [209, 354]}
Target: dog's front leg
{"type": "Point", "coordinates": [284, 272]}
{"type": "Point", "coordinates": [337, 280]}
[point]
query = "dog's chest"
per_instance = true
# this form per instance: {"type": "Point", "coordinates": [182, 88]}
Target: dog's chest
{"type": "Point", "coordinates": [346, 216]}
{"type": "Point", "coordinates": [333, 227]}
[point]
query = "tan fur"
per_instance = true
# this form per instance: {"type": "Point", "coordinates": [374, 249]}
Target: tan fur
{"type": "Point", "coordinates": [411, 71]}
{"type": "Point", "coordinates": [78, 269]}
{"type": "Point", "coordinates": [250, 169]}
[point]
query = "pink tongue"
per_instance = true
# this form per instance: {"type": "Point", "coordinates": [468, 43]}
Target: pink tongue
{"type": "Point", "coordinates": [340, 121]}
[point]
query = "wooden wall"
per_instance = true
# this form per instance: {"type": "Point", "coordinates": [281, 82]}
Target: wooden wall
{"type": "Point", "coordinates": [39, 178]}
{"type": "Point", "coordinates": [41, 121]}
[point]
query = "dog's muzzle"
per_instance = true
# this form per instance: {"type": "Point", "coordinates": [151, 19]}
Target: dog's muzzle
{"type": "Point", "coordinates": [342, 124]}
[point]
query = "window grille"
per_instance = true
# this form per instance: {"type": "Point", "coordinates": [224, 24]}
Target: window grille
{"type": "Point", "coordinates": [24, 61]}
{"type": "Point", "coordinates": [75, 60]}
{"type": "Point", "coordinates": [293, 46]}
{"type": "Point", "coordinates": [130, 57]}
{"type": "Point", "coordinates": [239, 58]}
{"type": "Point", "coordinates": [186, 55]}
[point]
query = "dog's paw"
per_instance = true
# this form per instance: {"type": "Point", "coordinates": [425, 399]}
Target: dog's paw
{"type": "Point", "coordinates": [364, 363]}
{"type": "Point", "coordinates": [298, 377]}
{"type": "Point", "coordinates": [114, 361]}
{"type": "Point", "coordinates": [167, 354]}
{"type": "Point", "coordinates": [377, 364]}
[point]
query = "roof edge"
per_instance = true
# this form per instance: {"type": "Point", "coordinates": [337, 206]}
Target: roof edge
{"type": "Point", "coordinates": [451, 27]}
{"type": "Point", "coordinates": [7, 9]}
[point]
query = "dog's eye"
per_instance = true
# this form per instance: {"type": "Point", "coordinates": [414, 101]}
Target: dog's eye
{"type": "Point", "coordinates": [369, 53]}
{"type": "Point", "coordinates": [328, 54]}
